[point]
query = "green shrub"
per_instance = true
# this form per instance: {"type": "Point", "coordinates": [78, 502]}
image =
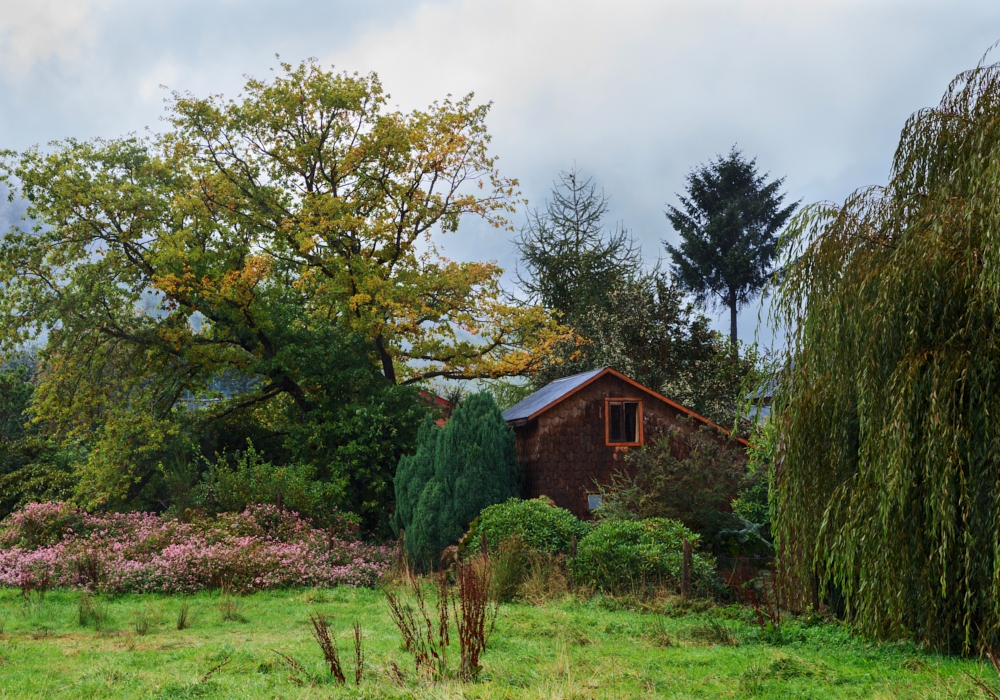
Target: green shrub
{"type": "Point", "coordinates": [753, 501]}
{"type": "Point", "coordinates": [538, 524]}
{"type": "Point", "coordinates": [684, 474]}
{"type": "Point", "coordinates": [627, 555]}
{"type": "Point", "coordinates": [250, 480]}
{"type": "Point", "coordinates": [413, 473]}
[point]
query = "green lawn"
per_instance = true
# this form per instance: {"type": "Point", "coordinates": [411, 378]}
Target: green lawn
{"type": "Point", "coordinates": [568, 649]}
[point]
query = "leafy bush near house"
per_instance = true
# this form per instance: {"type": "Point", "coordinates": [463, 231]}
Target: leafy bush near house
{"type": "Point", "coordinates": [685, 475]}
{"type": "Point", "coordinates": [251, 480]}
{"type": "Point", "coordinates": [626, 555]}
{"type": "Point", "coordinates": [537, 523]}
{"type": "Point", "coordinates": [753, 502]}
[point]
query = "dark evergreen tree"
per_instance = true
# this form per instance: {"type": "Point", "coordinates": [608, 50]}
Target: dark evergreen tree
{"type": "Point", "coordinates": [477, 458]}
{"type": "Point", "coordinates": [591, 275]}
{"type": "Point", "coordinates": [728, 224]}
{"type": "Point", "coordinates": [413, 473]}
{"type": "Point", "coordinates": [570, 259]}
{"type": "Point", "coordinates": [474, 466]}
{"type": "Point", "coordinates": [635, 319]}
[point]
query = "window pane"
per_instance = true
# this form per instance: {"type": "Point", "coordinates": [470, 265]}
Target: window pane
{"type": "Point", "coordinates": [616, 419]}
{"type": "Point", "coordinates": [593, 502]}
{"type": "Point", "coordinates": [631, 422]}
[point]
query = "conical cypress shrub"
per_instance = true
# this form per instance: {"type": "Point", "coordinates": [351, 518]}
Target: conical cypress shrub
{"type": "Point", "coordinates": [475, 466]}
{"type": "Point", "coordinates": [413, 473]}
{"type": "Point", "coordinates": [477, 455]}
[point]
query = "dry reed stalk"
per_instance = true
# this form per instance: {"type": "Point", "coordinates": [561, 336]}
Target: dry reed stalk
{"type": "Point", "coordinates": [429, 650]}
{"type": "Point", "coordinates": [476, 612]}
{"type": "Point", "coordinates": [359, 655]}
{"type": "Point", "coordinates": [321, 631]}
{"type": "Point", "coordinates": [215, 669]}
{"type": "Point", "coordinates": [294, 664]}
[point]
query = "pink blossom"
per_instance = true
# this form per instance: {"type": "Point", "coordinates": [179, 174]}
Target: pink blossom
{"type": "Point", "coordinates": [261, 548]}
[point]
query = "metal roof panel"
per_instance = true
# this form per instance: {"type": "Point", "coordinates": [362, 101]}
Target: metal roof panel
{"type": "Point", "coordinates": [548, 394]}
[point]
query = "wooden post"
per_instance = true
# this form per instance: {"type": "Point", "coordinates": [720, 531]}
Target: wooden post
{"type": "Point", "coordinates": [572, 547]}
{"type": "Point", "coordinates": [482, 542]}
{"type": "Point", "coordinates": [686, 570]}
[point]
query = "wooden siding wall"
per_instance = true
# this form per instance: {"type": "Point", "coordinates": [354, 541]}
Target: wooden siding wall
{"type": "Point", "coordinates": [563, 450]}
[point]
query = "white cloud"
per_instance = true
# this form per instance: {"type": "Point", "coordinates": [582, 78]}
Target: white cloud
{"type": "Point", "coordinates": [638, 92]}
{"type": "Point", "coordinates": [41, 29]}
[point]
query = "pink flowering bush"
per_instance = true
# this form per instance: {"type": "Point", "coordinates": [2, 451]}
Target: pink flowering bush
{"type": "Point", "coordinates": [262, 547]}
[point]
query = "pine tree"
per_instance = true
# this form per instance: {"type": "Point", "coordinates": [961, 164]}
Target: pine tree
{"type": "Point", "coordinates": [570, 258]}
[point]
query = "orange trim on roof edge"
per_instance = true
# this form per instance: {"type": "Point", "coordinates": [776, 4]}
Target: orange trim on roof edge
{"type": "Point", "coordinates": [637, 385]}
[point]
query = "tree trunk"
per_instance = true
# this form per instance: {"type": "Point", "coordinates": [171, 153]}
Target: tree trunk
{"type": "Point", "coordinates": [686, 569]}
{"type": "Point", "coordinates": [732, 324]}
{"type": "Point", "coordinates": [387, 369]}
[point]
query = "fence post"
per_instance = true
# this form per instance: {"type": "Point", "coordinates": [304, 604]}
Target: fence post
{"type": "Point", "coordinates": [686, 570]}
{"type": "Point", "coordinates": [572, 547]}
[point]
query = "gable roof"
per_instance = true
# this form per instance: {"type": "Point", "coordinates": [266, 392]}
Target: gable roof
{"type": "Point", "coordinates": [555, 392]}
{"type": "Point", "coordinates": [549, 395]}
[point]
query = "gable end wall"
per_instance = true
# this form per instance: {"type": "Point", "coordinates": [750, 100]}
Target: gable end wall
{"type": "Point", "coordinates": [563, 450]}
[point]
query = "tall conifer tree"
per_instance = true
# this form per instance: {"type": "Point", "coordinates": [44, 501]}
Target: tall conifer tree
{"type": "Point", "coordinates": [728, 224]}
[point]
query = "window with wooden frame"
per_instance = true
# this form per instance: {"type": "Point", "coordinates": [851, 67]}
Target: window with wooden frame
{"type": "Point", "coordinates": [623, 422]}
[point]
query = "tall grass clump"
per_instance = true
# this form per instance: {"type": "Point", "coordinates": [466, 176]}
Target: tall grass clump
{"type": "Point", "coordinates": [425, 634]}
{"type": "Point", "coordinates": [183, 616]}
{"type": "Point", "coordinates": [473, 605]}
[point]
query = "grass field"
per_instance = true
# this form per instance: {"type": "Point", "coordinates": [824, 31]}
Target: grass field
{"type": "Point", "coordinates": [566, 649]}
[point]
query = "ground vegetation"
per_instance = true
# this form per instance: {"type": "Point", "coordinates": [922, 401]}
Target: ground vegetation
{"type": "Point", "coordinates": [129, 646]}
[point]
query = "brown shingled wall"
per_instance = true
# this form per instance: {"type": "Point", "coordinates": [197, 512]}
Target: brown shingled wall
{"type": "Point", "coordinates": [563, 450]}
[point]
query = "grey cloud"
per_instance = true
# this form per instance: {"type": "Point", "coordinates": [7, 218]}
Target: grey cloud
{"type": "Point", "coordinates": [635, 93]}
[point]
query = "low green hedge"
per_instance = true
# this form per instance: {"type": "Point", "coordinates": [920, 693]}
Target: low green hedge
{"type": "Point", "coordinates": [626, 555]}
{"type": "Point", "coordinates": [539, 525]}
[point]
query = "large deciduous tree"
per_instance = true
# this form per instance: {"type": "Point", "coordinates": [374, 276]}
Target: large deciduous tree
{"type": "Point", "coordinates": [728, 224]}
{"type": "Point", "coordinates": [888, 448]}
{"type": "Point", "coordinates": [284, 238]}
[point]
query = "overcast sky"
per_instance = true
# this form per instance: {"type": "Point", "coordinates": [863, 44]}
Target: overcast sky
{"type": "Point", "coordinates": [634, 93]}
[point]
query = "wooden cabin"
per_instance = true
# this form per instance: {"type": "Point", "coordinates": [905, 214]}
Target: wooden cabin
{"type": "Point", "coordinates": [577, 430]}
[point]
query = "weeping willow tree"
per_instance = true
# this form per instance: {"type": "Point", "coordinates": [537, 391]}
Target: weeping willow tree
{"type": "Point", "coordinates": [887, 484]}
